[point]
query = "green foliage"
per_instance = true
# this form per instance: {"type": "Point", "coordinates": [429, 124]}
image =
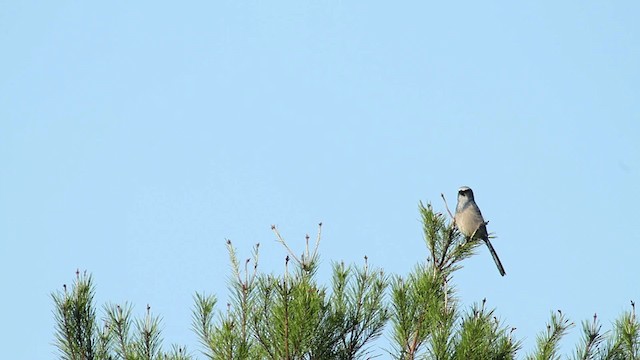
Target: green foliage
{"type": "Point", "coordinates": [548, 341]}
{"type": "Point", "coordinates": [292, 316]}
{"type": "Point", "coordinates": [229, 337]}
{"type": "Point", "coordinates": [358, 306]}
{"type": "Point", "coordinates": [623, 342]}
{"type": "Point", "coordinates": [418, 304]}
{"type": "Point", "coordinates": [592, 337]}
{"type": "Point", "coordinates": [481, 336]}
{"type": "Point", "coordinates": [79, 336]}
{"type": "Point", "coordinates": [426, 314]}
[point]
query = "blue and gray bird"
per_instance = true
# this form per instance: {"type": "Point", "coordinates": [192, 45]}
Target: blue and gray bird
{"type": "Point", "coordinates": [469, 220]}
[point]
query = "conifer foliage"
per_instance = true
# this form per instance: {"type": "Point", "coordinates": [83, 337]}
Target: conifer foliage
{"type": "Point", "coordinates": [292, 316]}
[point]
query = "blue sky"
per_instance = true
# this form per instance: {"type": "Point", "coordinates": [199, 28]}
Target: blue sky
{"type": "Point", "coordinates": [136, 137]}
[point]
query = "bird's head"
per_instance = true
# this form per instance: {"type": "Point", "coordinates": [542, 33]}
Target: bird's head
{"type": "Point", "coordinates": [465, 194]}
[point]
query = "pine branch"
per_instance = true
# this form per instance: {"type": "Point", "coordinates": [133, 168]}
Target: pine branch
{"type": "Point", "coordinates": [202, 320]}
{"type": "Point", "coordinates": [591, 339]}
{"type": "Point", "coordinates": [548, 341]}
{"type": "Point", "coordinates": [147, 340]}
{"type": "Point", "coordinates": [75, 317]}
{"type": "Point", "coordinates": [119, 320]}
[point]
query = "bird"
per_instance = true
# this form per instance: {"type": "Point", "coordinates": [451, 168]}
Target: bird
{"type": "Point", "coordinates": [470, 222]}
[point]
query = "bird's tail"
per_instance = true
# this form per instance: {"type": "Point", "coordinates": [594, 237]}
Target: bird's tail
{"type": "Point", "coordinates": [495, 257]}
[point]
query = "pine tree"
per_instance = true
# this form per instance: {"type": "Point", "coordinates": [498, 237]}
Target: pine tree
{"type": "Point", "coordinates": [79, 335]}
{"type": "Point", "coordinates": [292, 316]}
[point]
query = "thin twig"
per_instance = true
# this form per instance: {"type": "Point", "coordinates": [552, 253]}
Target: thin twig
{"type": "Point", "coordinates": [447, 207]}
{"type": "Point", "coordinates": [255, 262]}
{"type": "Point", "coordinates": [315, 251]}
{"type": "Point", "coordinates": [234, 261]}
{"type": "Point", "coordinates": [281, 241]}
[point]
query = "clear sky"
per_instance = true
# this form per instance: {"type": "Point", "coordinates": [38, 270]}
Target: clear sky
{"type": "Point", "coordinates": [135, 137]}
